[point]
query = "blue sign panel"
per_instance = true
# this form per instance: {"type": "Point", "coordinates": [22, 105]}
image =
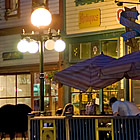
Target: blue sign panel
{"type": "Point", "coordinates": [130, 24]}
{"type": "Point", "coordinates": [130, 14]}
{"type": "Point", "coordinates": [130, 34]}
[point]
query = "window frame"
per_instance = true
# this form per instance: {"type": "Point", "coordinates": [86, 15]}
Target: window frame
{"type": "Point", "coordinates": [15, 96]}
{"type": "Point", "coordinates": [36, 3]}
{"type": "Point", "coordinates": [9, 11]}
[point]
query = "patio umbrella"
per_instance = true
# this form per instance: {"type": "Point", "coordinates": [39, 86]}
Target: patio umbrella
{"type": "Point", "coordinates": [85, 74]}
{"type": "Point", "coordinates": [127, 66]}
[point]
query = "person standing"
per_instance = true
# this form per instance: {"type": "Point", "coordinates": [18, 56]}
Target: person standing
{"type": "Point", "coordinates": [124, 108]}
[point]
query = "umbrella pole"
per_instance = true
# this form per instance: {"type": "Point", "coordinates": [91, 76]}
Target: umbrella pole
{"type": "Point", "coordinates": [127, 89]}
{"type": "Point", "coordinates": [101, 102]}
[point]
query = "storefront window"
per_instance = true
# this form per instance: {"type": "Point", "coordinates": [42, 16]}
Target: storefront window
{"type": "Point", "coordinates": [23, 85]}
{"type": "Point", "coordinates": [81, 99]}
{"type": "Point", "coordinates": [15, 89]}
{"type": "Point", "coordinates": [86, 50]}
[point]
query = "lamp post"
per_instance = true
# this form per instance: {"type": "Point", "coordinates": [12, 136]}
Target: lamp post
{"type": "Point", "coordinates": [40, 18]}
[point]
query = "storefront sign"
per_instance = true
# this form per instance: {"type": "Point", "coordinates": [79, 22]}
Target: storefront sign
{"type": "Point", "coordinates": [12, 55]}
{"type": "Point", "coordinates": [89, 18]}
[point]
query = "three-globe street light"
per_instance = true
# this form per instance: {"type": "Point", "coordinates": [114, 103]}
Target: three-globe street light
{"type": "Point", "coordinates": [31, 42]}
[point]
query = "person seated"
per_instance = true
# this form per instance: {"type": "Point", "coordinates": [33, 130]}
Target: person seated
{"type": "Point", "coordinates": [59, 111]}
{"type": "Point", "coordinates": [68, 110]}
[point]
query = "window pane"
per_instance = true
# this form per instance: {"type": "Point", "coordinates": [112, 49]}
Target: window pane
{"type": "Point", "coordinates": [75, 51]}
{"type": "Point", "coordinates": [36, 89]}
{"type": "Point", "coordinates": [46, 104]}
{"type": "Point", "coordinates": [7, 101]}
{"type": "Point", "coordinates": [36, 85]}
{"type": "Point", "coordinates": [12, 8]}
{"type": "Point", "coordinates": [13, 4]}
{"type": "Point", "coordinates": [95, 50]}
{"type": "Point", "coordinates": [47, 86]}
{"type": "Point", "coordinates": [54, 89]}
{"type": "Point", "coordinates": [26, 101]}
{"type": "Point", "coordinates": [109, 47]}
{"type": "Point", "coordinates": [7, 86]}
{"type": "Point", "coordinates": [23, 85]}
{"type": "Point", "coordinates": [85, 50]}
{"type": "Point", "coordinates": [11, 82]}
{"type": "Point", "coordinates": [36, 104]}
{"type": "Point", "coordinates": [136, 91]}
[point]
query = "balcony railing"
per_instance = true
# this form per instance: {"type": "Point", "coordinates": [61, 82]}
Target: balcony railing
{"type": "Point", "coordinates": [84, 128]}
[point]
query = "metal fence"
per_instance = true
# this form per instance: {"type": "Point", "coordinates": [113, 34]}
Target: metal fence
{"type": "Point", "coordinates": [126, 128]}
{"type": "Point", "coordinates": [84, 128]}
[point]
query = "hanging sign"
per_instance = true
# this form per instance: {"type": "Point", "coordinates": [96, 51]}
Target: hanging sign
{"type": "Point", "coordinates": [130, 24]}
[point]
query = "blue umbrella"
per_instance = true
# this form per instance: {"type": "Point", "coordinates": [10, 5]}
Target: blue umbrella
{"type": "Point", "coordinates": [84, 75]}
{"type": "Point", "coordinates": [127, 66]}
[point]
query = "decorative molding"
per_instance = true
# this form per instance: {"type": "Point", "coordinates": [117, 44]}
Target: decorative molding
{"type": "Point", "coordinates": [83, 2]}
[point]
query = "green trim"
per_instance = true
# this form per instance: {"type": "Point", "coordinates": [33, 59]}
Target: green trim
{"type": "Point", "coordinates": [83, 2]}
{"type": "Point", "coordinates": [100, 35]}
{"type": "Point", "coordinates": [64, 17]}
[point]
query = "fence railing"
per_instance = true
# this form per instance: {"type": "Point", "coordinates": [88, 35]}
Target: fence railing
{"type": "Point", "coordinates": [84, 128]}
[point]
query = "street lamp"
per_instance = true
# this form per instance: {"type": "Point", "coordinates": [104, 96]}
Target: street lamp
{"type": "Point", "coordinates": [40, 18]}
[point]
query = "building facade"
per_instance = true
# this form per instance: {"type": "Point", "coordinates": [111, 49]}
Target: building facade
{"type": "Point", "coordinates": [19, 73]}
{"type": "Point", "coordinates": [93, 27]}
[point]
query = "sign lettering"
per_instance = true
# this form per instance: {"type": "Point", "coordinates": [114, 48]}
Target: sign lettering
{"type": "Point", "coordinates": [89, 18]}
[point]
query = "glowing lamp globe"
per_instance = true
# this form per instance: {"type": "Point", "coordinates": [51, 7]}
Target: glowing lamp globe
{"type": "Point", "coordinates": [33, 47]}
{"type": "Point", "coordinates": [49, 44]}
{"type": "Point", "coordinates": [41, 17]}
{"type": "Point", "coordinates": [59, 45]}
{"type": "Point", "coordinates": [22, 46]}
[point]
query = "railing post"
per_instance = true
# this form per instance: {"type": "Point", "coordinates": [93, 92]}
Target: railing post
{"type": "Point", "coordinates": [47, 131]}
{"type": "Point", "coordinates": [112, 129]}
{"type": "Point", "coordinates": [67, 129]}
{"type": "Point", "coordinates": [96, 129]}
{"type": "Point", "coordinates": [103, 128]}
{"type": "Point", "coordinates": [30, 115]}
